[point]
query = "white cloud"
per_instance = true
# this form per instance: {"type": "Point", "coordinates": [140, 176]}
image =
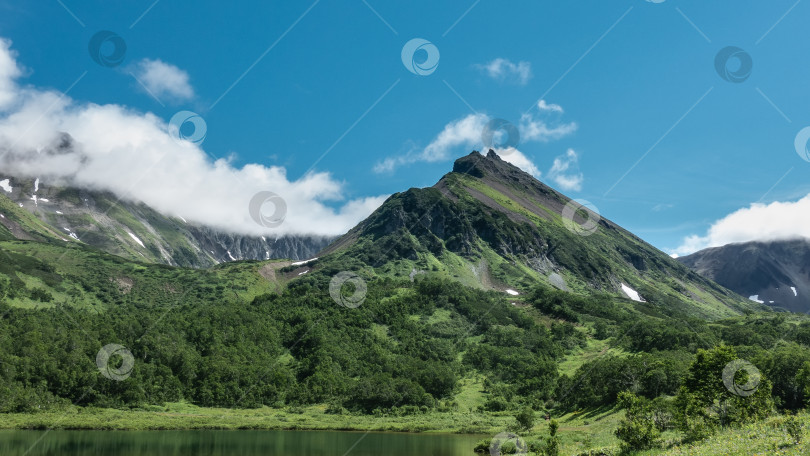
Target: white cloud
{"type": "Point", "coordinates": [133, 155]}
{"type": "Point", "coordinates": [516, 157]}
{"type": "Point", "coordinates": [505, 70]}
{"type": "Point", "coordinates": [9, 71]}
{"type": "Point", "coordinates": [532, 129]}
{"type": "Point", "coordinates": [758, 222]}
{"type": "Point", "coordinates": [464, 132]}
{"type": "Point", "coordinates": [461, 135]}
{"type": "Point", "coordinates": [565, 171]}
{"type": "Point", "coordinates": [163, 80]}
{"type": "Point", "coordinates": [543, 106]}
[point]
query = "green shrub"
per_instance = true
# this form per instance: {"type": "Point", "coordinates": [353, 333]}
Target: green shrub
{"type": "Point", "coordinates": [496, 404]}
{"type": "Point", "coordinates": [482, 446]}
{"type": "Point", "coordinates": [704, 403]}
{"type": "Point", "coordinates": [525, 418]}
{"type": "Point", "coordinates": [553, 442]}
{"type": "Point", "coordinates": [793, 426]}
{"type": "Point", "coordinates": [638, 430]}
{"type": "Point", "coordinates": [535, 446]}
{"type": "Point", "coordinates": [335, 408]}
{"type": "Point", "coordinates": [508, 447]}
{"type": "Point", "coordinates": [41, 295]}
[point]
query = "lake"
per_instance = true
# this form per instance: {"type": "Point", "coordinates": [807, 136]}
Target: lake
{"type": "Point", "coordinates": [231, 443]}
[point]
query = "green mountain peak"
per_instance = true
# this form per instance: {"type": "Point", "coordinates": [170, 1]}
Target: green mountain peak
{"type": "Point", "coordinates": [490, 225]}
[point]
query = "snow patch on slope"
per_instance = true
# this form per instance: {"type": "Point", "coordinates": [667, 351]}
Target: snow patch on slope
{"type": "Point", "coordinates": [6, 185]}
{"type": "Point", "coordinates": [631, 293]}
{"type": "Point", "coordinates": [795, 293]}
{"type": "Point", "coordinates": [71, 233]}
{"type": "Point", "coordinates": [136, 239]}
{"type": "Point", "coordinates": [755, 298]}
{"type": "Point", "coordinates": [301, 263]}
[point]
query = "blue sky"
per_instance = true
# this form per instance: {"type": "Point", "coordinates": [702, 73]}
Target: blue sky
{"type": "Point", "coordinates": [322, 87]}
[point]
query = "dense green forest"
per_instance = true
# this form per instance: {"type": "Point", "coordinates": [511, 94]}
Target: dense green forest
{"type": "Point", "coordinates": [404, 350]}
{"type": "Point", "coordinates": [250, 335]}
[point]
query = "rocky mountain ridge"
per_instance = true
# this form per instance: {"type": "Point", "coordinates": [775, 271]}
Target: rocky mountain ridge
{"type": "Point", "coordinates": [137, 232]}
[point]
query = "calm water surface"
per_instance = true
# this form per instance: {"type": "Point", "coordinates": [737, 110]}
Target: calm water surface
{"type": "Point", "coordinates": [231, 443]}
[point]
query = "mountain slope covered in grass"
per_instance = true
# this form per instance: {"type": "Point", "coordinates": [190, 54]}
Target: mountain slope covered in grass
{"type": "Point", "coordinates": [490, 225]}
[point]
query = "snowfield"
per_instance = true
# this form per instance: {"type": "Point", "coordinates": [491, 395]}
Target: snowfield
{"type": "Point", "coordinates": [631, 293]}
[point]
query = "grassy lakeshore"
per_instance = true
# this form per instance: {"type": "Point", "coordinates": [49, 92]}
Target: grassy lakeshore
{"type": "Point", "coordinates": [578, 431]}
{"type": "Point", "coordinates": [180, 416]}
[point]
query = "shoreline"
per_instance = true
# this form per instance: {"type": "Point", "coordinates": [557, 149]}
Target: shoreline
{"type": "Point", "coordinates": [265, 419]}
{"type": "Point", "coordinates": [578, 430]}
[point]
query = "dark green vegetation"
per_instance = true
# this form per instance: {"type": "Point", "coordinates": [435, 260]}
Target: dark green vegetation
{"type": "Point", "coordinates": [405, 351]}
{"type": "Point", "coordinates": [436, 335]}
{"type": "Point", "coordinates": [406, 346]}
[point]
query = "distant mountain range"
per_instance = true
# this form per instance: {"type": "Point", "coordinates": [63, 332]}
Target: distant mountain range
{"type": "Point", "coordinates": [774, 273]}
{"type": "Point", "coordinates": [138, 232]}
{"type": "Point", "coordinates": [487, 224]}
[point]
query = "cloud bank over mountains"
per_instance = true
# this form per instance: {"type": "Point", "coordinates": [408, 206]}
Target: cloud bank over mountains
{"type": "Point", "coordinates": [135, 155]}
{"type": "Point", "coordinates": [758, 222]}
